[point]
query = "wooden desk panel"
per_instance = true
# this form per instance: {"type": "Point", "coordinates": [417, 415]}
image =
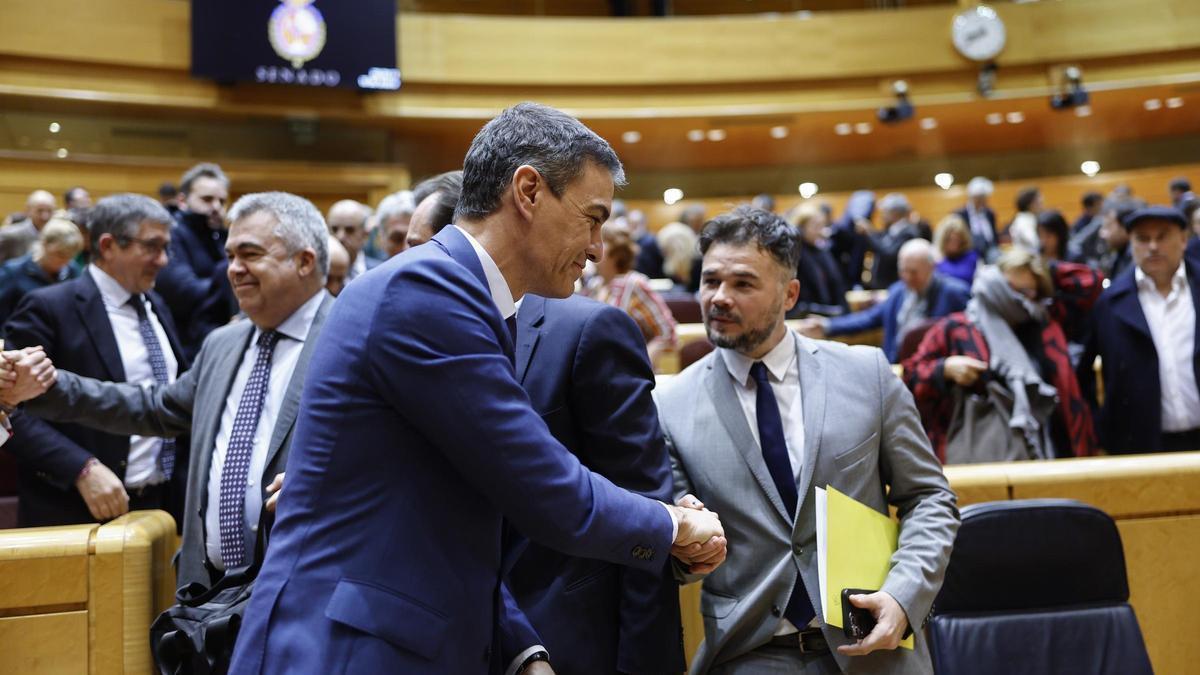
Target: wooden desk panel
{"type": "Point", "coordinates": [46, 644]}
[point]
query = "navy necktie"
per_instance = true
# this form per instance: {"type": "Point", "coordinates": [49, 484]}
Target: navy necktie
{"type": "Point", "coordinates": [775, 453]}
{"type": "Point", "coordinates": [232, 509]}
{"type": "Point", "coordinates": [158, 364]}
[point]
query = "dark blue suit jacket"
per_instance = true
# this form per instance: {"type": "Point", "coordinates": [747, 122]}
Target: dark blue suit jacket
{"type": "Point", "coordinates": [20, 276]}
{"type": "Point", "coordinates": [585, 367]}
{"type": "Point", "coordinates": [415, 444]}
{"type": "Point", "coordinates": [70, 321]}
{"type": "Point", "coordinates": [194, 282]}
{"type": "Point", "coordinates": [946, 296]}
{"type": "Point", "coordinates": [1131, 419]}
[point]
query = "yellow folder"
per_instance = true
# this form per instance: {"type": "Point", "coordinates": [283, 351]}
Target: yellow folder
{"type": "Point", "coordinates": [855, 544]}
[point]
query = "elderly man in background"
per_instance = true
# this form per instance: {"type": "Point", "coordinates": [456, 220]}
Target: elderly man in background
{"type": "Point", "coordinates": [435, 198]}
{"type": "Point", "coordinates": [50, 261]}
{"type": "Point", "coordinates": [394, 217]}
{"type": "Point", "coordinates": [194, 283]}
{"type": "Point", "coordinates": [921, 294]}
{"type": "Point", "coordinates": [980, 218]}
{"type": "Point", "coordinates": [18, 238]}
{"type": "Point", "coordinates": [348, 223]}
{"type": "Point", "coordinates": [240, 399]}
{"type": "Point", "coordinates": [897, 229]}
{"type": "Point", "coordinates": [77, 198]}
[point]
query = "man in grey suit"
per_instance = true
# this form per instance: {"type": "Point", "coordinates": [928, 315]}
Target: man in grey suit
{"type": "Point", "coordinates": [826, 415]}
{"type": "Point", "coordinates": [240, 399]}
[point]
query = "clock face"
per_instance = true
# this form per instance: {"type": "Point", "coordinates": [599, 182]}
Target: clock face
{"type": "Point", "coordinates": [978, 33]}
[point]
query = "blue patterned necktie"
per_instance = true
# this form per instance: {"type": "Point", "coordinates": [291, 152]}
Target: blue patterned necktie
{"type": "Point", "coordinates": [775, 453]}
{"type": "Point", "coordinates": [158, 364]}
{"type": "Point", "coordinates": [232, 509]}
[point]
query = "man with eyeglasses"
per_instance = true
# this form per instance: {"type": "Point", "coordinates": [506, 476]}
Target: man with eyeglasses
{"type": "Point", "coordinates": [106, 324]}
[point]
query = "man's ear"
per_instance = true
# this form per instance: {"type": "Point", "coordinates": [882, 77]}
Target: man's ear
{"type": "Point", "coordinates": [792, 295]}
{"type": "Point", "coordinates": [526, 189]}
{"type": "Point", "coordinates": [306, 262]}
{"type": "Point", "coordinates": [106, 243]}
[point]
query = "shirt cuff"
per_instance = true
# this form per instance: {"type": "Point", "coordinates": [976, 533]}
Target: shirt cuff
{"type": "Point", "coordinates": [674, 522]}
{"type": "Point", "coordinates": [516, 663]}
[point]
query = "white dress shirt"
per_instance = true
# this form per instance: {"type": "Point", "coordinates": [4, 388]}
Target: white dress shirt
{"type": "Point", "coordinates": [141, 468]}
{"type": "Point", "coordinates": [292, 334]}
{"type": "Point", "coordinates": [783, 369]}
{"type": "Point", "coordinates": [1172, 322]}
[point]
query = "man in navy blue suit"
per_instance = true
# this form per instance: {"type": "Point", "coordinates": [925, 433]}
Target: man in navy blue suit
{"type": "Point", "coordinates": [418, 448]}
{"type": "Point", "coordinates": [920, 294]}
{"type": "Point", "coordinates": [585, 367]}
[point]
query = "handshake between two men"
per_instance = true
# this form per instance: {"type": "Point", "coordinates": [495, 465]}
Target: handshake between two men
{"type": "Point", "coordinates": [700, 543]}
{"type": "Point", "coordinates": [24, 374]}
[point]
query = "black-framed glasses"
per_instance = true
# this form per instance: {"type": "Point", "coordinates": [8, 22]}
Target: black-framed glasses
{"type": "Point", "coordinates": [155, 246]}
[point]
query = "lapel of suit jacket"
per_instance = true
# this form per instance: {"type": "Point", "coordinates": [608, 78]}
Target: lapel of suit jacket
{"type": "Point", "coordinates": [729, 410]}
{"type": "Point", "coordinates": [1127, 308]}
{"type": "Point", "coordinates": [291, 398]}
{"type": "Point", "coordinates": [226, 359]}
{"type": "Point", "coordinates": [455, 243]}
{"type": "Point", "coordinates": [529, 320]}
{"type": "Point", "coordinates": [90, 306]}
{"type": "Point", "coordinates": [812, 398]}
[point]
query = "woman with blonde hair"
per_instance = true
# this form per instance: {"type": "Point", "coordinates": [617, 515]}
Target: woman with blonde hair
{"type": "Point", "coordinates": [618, 284]}
{"type": "Point", "coordinates": [957, 256]}
{"type": "Point", "coordinates": [680, 247]}
{"type": "Point", "coordinates": [48, 261]}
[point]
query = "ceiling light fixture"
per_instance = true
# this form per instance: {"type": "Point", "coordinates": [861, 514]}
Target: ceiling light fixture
{"type": "Point", "coordinates": [631, 136]}
{"type": "Point", "coordinates": [944, 180]}
{"type": "Point", "coordinates": [808, 190]}
{"type": "Point", "coordinates": [1090, 168]}
{"type": "Point", "coordinates": [1083, 111]}
{"type": "Point", "coordinates": [843, 129]}
{"type": "Point", "coordinates": [1015, 117]}
{"type": "Point", "coordinates": [716, 134]}
{"type": "Point", "coordinates": [55, 127]}
{"type": "Point", "coordinates": [862, 128]}
{"type": "Point", "coordinates": [1175, 102]}
{"type": "Point", "coordinates": [695, 135]}
{"type": "Point", "coordinates": [672, 195]}
{"type": "Point", "coordinates": [994, 118]}
{"type": "Point", "coordinates": [779, 132]}
{"type": "Point", "coordinates": [62, 153]}
{"type": "Point", "coordinates": [1151, 104]}
{"type": "Point", "coordinates": [929, 123]}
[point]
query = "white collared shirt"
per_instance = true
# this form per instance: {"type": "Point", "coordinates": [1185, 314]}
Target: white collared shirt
{"type": "Point", "coordinates": [497, 285]}
{"type": "Point", "coordinates": [1172, 322]}
{"type": "Point", "coordinates": [292, 334]}
{"type": "Point", "coordinates": [783, 369]}
{"type": "Point", "coordinates": [359, 266]}
{"type": "Point", "coordinates": [141, 466]}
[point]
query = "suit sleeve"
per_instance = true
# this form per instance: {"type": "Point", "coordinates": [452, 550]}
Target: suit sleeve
{"type": "Point", "coordinates": [35, 442]}
{"type": "Point", "coordinates": [119, 407]}
{"type": "Point", "coordinates": [926, 506]}
{"type": "Point", "coordinates": [683, 486]}
{"type": "Point", "coordinates": [857, 322]}
{"type": "Point", "coordinates": [502, 447]}
{"type": "Point", "coordinates": [518, 639]}
{"type": "Point", "coordinates": [620, 436]}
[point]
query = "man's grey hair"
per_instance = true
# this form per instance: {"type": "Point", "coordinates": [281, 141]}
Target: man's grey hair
{"type": "Point", "coordinates": [121, 215]}
{"type": "Point", "coordinates": [202, 170]}
{"type": "Point", "coordinates": [298, 223]}
{"type": "Point", "coordinates": [551, 141]}
{"type": "Point", "coordinates": [894, 202]}
{"type": "Point", "coordinates": [918, 248]}
{"type": "Point", "coordinates": [395, 205]}
{"type": "Point", "coordinates": [980, 187]}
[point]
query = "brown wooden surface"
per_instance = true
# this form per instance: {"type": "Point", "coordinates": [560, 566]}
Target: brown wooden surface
{"type": "Point", "coordinates": [45, 644]}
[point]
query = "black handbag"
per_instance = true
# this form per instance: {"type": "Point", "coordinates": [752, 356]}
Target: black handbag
{"type": "Point", "coordinates": [196, 636]}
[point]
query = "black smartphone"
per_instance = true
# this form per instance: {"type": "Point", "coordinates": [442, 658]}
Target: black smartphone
{"type": "Point", "coordinates": [857, 622]}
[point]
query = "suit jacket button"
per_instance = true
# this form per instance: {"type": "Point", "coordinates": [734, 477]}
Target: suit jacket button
{"type": "Point", "coordinates": [798, 549]}
{"type": "Point", "coordinates": [776, 611]}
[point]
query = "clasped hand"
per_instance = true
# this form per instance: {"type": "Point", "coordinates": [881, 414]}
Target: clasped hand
{"type": "Point", "coordinates": [25, 374]}
{"type": "Point", "coordinates": [700, 543]}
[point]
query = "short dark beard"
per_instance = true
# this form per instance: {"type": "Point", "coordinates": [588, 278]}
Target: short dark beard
{"type": "Point", "coordinates": [750, 340]}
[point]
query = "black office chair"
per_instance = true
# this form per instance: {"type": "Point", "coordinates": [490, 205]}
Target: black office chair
{"type": "Point", "coordinates": [1036, 587]}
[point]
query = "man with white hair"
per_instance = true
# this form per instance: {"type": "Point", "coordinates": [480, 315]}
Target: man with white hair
{"type": "Point", "coordinates": [240, 399]}
{"type": "Point", "coordinates": [920, 294]}
{"type": "Point", "coordinates": [18, 238]}
{"type": "Point", "coordinates": [897, 228]}
{"type": "Point", "coordinates": [981, 218]}
{"type": "Point", "coordinates": [394, 214]}
{"type": "Point", "coordinates": [348, 223]}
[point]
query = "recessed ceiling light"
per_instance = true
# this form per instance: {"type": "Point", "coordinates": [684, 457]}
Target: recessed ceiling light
{"type": "Point", "coordinates": [994, 118]}
{"type": "Point", "coordinates": [672, 195]}
{"type": "Point", "coordinates": [631, 136]}
{"type": "Point", "coordinates": [1090, 167]}
{"type": "Point", "coordinates": [928, 123]}
{"type": "Point", "coordinates": [1015, 117]}
{"type": "Point", "coordinates": [62, 153]}
{"type": "Point", "coordinates": [55, 127]}
{"type": "Point", "coordinates": [944, 180]}
{"type": "Point", "coordinates": [1152, 104]}
{"type": "Point", "coordinates": [716, 134]}
{"type": "Point", "coordinates": [779, 132]}
{"type": "Point", "coordinates": [1175, 102]}
{"type": "Point", "coordinates": [1083, 111]}
{"type": "Point", "coordinates": [695, 135]}
{"type": "Point", "coordinates": [843, 129]}
{"type": "Point", "coordinates": [862, 128]}
{"type": "Point", "coordinates": [808, 190]}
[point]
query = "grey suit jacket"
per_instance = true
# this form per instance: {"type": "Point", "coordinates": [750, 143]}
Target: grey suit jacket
{"type": "Point", "coordinates": [194, 403]}
{"type": "Point", "coordinates": [862, 433]}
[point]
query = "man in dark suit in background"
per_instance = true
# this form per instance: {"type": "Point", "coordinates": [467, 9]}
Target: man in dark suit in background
{"type": "Point", "coordinates": [435, 198]}
{"type": "Point", "coordinates": [981, 219]}
{"type": "Point", "coordinates": [240, 399]}
{"type": "Point", "coordinates": [109, 325]}
{"type": "Point", "coordinates": [194, 282]}
{"type": "Point", "coordinates": [585, 367]}
{"type": "Point", "coordinates": [418, 445]}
